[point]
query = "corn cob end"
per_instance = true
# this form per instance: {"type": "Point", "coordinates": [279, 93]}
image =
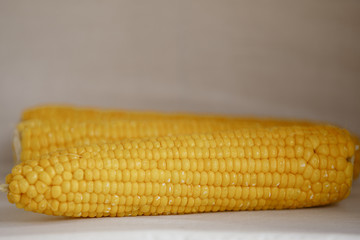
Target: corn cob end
{"type": "Point", "coordinates": [16, 145]}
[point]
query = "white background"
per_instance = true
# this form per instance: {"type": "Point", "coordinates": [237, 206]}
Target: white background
{"type": "Point", "coordinates": [297, 59]}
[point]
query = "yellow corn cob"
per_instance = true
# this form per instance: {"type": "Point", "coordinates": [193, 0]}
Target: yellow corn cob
{"type": "Point", "coordinates": [67, 123]}
{"type": "Point", "coordinates": [38, 137]}
{"type": "Point", "coordinates": [246, 169]}
{"type": "Point", "coordinates": [42, 138]}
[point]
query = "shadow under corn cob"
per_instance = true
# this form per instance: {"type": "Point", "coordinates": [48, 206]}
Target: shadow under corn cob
{"type": "Point", "coordinates": [246, 169]}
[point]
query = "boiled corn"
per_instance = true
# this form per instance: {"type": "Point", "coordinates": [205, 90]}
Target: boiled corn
{"type": "Point", "coordinates": [49, 128]}
{"type": "Point", "coordinates": [245, 169]}
{"type": "Point", "coordinates": [36, 137]}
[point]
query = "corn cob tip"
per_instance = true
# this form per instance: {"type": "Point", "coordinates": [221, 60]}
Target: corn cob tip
{"type": "Point", "coordinates": [16, 147]}
{"type": "Point", "coordinates": [4, 188]}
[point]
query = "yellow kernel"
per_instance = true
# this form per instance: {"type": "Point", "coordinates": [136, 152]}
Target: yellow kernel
{"type": "Point", "coordinates": [291, 180]}
{"type": "Point", "coordinates": [299, 151]}
{"type": "Point", "coordinates": [63, 197]}
{"type": "Point", "coordinates": [44, 177]}
{"type": "Point", "coordinates": [281, 165]}
{"type": "Point", "coordinates": [268, 179]}
{"type": "Point", "coordinates": [32, 177]}
{"type": "Point", "coordinates": [264, 152]}
{"type": "Point", "coordinates": [308, 152]}
{"type": "Point", "coordinates": [253, 179]}
{"type": "Point", "coordinates": [326, 187]}
{"type": "Point", "coordinates": [102, 174]}
{"type": "Point", "coordinates": [343, 150]}
{"type": "Point", "coordinates": [88, 174]}
{"type": "Point", "coordinates": [106, 187]}
{"type": "Point", "coordinates": [260, 179]}
{"type": "Point", "coordinates": [315, 142]}
{"type": "Point", "coordinates": [218, 179]}
{"type": "Point", "coordinates": [97, 186]}
{"type": "Point", "coordinates": [50, 170]}
{"type": "Point", "coordinates": [258, 166]}
{"type": "Point", "coordinates": [14, 187]}
{"type": "Point", "coordinates": [26, 169]}
{"type": "Point", "coordinates": [17, 170]}
{"type": "Point", "coordinates": [276, 179]}
{"type": "Point", "coordinates": [251, 165]}
{"type": "Point", "coordinates": [281, 152]}
{"type": "Point", "coordinates": [245, 193]}
{"type": "Point", "coordinates": [54, 205]}
{"type": "Point", "coordinates": [82, 186]}
{"type": "Point", "coordinates": [70, 197]}
{"type": "Point", "coordinates": [94, 198]}
{"type": "Point", "coordinates": [155, 175]}
{"type": "Point", "coordinates": [256, 152]}
{"type": "Point", "coordinates": [265, 165]}
{"type": "Point", "coordinates": [226, 179]}
{"type": "Point", "coordinates": [222, 165]}
{"type": "Point", "coordinates": [332, 175]}
{"type": "Point", "coordinates": [79, 174]}
{"type": "Point", "coordinates": [289, 152]}
{"type": "Point", "coordinates": [23, 185]}
{"type": "Point", "coordinates": [284, 181]}
{"type": "Point", "coordinates": [74, 186]}
{"type": "Point", "coordinates": [315, 176]}
{"type": "Point", "coordinates": [55, 191]}
{"type": "Point", "coordinates": [293, 166]}
{"type": "Point", "coordinates": [67, 175]}
{"type": "Point", "coordinates": [308, 172]}
{"type": "Point", "coordinates": [315, 161]}
{"type": "Point", "coordinates": [41, 187]}
{"type": "Point", "coordinates": [323, 162]}
{"type": "Point", "coordinates": [340, 177]}
{"type": "Point", "coordinates": [334, 150]}
{"type": "Point", "coordinates": [63, 207]}
{"type": "Point", "coordinates": [273, 151]}
{"type": "Point", "coordinates": [252, 193]}
{"type": "Point", "coordinates": [323, 149]}
{"type": "Point", "coordinates": [331, 163]}
{"type": "Point", "coordinates": [65, 186]}
{"type": "Point", "coordinates": [273, 165]}
{"type": "Point", "coordinates": [349, 170]}
{"type": "Point", "coordinates": [301, 165]}
{"type": "Point", "coordinates": [351, 147]}
{"type": "Point", "coordinates": [112, 174]}
{"type": "Point", "coordinates": [316, 187]}
{"type": "Point", "coordinates": [341, 163]}
{"type": "Point", "coordinates": [59, 168]}
{"type": "Point", "coordinates": [203, 178]}
{"type": "Point", "coordinates": [57, 180]}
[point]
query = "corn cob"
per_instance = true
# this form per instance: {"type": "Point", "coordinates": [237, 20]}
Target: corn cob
{"type": "Point", "coordinates": [37, 137]}
{"type": "Point", "coordinates": [245, 169]}
{"type": "Point", "coordinates": [66, 122]}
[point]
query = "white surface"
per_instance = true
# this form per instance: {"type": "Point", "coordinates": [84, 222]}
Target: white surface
{"type": "Point", "coordinates": [296, 59]}
{"type": "Point", "coordinates": [338, 221]}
